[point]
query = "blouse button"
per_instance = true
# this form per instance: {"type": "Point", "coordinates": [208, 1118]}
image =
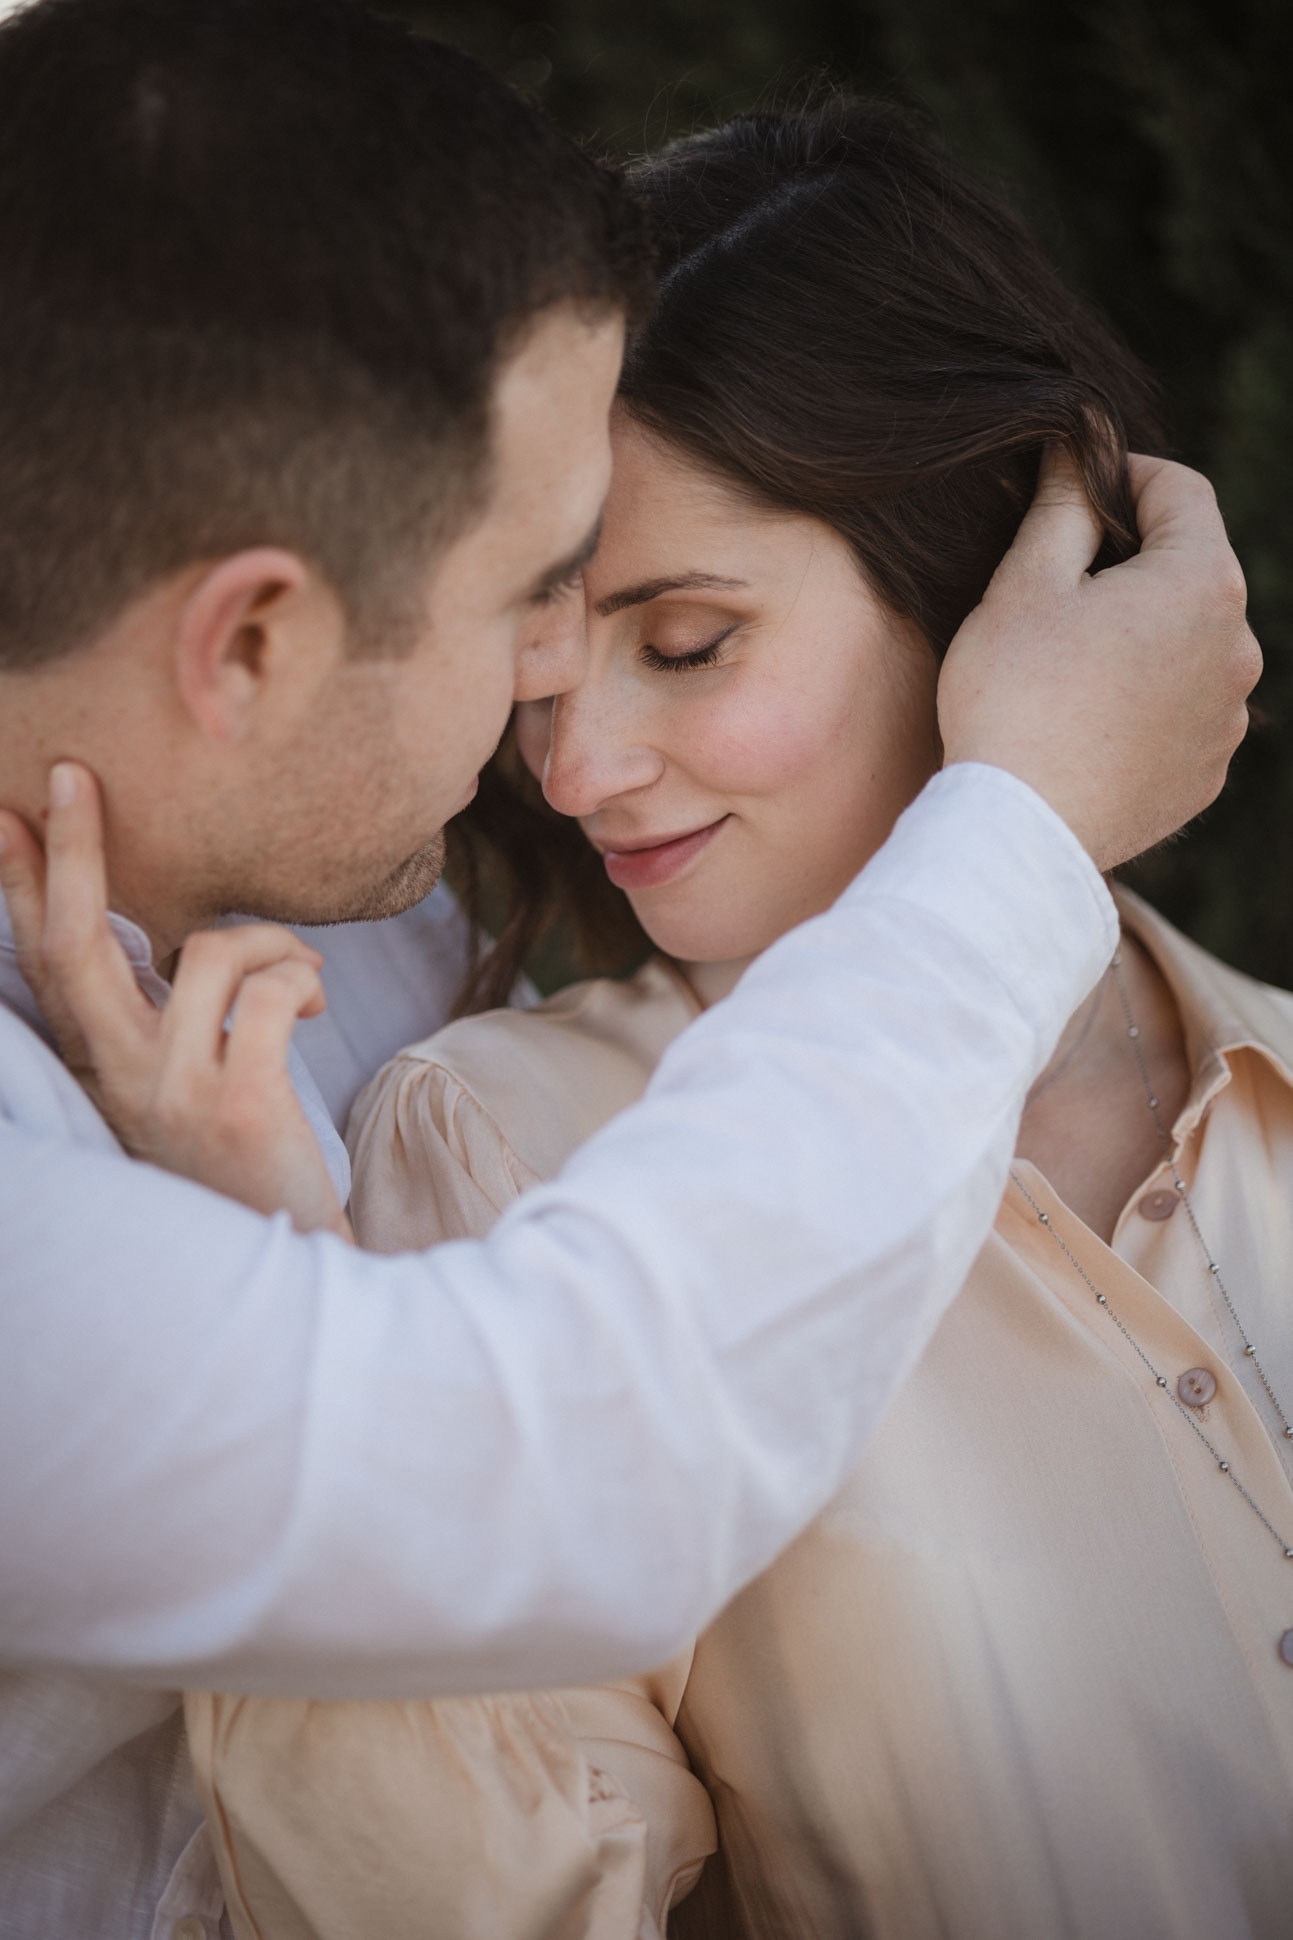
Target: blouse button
{"type": "Point", "coordinates": [1158, 1205]}
{"type": "Point", "coordinates": [1196, 1388]}
{"type": "Point", "coordinates": [1286, 1646]}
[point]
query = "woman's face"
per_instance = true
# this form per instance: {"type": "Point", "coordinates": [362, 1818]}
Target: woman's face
{"type": "Point", "coordinates": [752, 720]}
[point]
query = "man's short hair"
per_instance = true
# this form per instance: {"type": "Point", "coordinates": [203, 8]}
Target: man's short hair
{"type": "Point", "coordinates": [259, 262]}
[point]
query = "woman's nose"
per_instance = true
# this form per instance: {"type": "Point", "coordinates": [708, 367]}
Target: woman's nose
{"type": "Point", "coordinates": [593, 755]}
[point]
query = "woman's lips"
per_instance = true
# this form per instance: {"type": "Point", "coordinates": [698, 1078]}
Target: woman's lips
{"type": "Point", "coordinates": [659, 862]}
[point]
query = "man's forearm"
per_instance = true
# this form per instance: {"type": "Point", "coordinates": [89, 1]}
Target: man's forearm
{"type": "Point", "coordinates": [261, 1461]}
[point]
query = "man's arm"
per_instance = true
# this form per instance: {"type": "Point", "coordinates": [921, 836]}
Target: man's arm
{"type": "Point", "coordinates": [232, 1454]}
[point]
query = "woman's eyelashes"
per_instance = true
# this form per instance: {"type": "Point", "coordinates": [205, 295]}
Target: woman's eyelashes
{"type": "Point", "coordinates": [681, 663]}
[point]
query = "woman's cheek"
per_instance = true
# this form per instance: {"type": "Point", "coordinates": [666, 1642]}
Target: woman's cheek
{"type": "Point", "coordinates": [756, 744]}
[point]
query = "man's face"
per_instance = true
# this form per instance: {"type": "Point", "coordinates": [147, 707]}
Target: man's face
{"type": "Point", "coordinates": [351, 813]}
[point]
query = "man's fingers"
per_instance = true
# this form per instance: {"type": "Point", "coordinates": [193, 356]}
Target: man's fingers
{"type": "Point", "coordinates": [1059, 534]}
{"type": "Point", "coordinates": [1176, 508]}
{"type": "Point", "coordinates": [1180, 521]}
{"type": "Point", "coordinates": [1183, 534]}
{"type": "Point", "coordinates": [213, 967]}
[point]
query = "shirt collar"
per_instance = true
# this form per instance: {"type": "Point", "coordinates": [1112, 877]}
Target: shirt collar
{"type": "Point", "coordinates": [1223, 1012]}
{"type": "Point", "coordinates": [15, 993]}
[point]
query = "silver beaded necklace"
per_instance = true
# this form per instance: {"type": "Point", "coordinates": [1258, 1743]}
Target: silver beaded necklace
{"type": "Point", "coordinates": [1160, 1379]}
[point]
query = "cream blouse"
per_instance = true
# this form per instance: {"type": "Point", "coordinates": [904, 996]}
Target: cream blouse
{"type": "Point", "coordinates": [1022, 1680]}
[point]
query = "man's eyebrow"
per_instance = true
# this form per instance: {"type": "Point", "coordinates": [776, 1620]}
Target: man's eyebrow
{"type": "Point", "coordinates": [654, 589]}
{"type": "Point", "coordinates": [574, 562]}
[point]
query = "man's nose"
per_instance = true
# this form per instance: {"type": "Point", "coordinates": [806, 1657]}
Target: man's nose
{"type": "Point", "coordinates": [552, 655]}
{"type": "Point", "coordinates": [594, 755]}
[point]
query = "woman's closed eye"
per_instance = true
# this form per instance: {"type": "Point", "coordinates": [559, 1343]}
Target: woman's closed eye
{"type": "Point", "coordinates": [692, 658]}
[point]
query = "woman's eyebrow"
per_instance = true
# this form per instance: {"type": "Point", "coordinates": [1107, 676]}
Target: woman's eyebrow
{"type": "Point", "coordinates": [653, 589]}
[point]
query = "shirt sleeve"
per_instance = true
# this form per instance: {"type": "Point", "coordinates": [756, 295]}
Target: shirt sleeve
{"type": "Point", "coordinates": [235, 1456]}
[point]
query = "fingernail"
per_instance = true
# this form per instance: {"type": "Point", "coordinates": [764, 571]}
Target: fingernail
{"type": "Point", "coordinates": [62, 785]}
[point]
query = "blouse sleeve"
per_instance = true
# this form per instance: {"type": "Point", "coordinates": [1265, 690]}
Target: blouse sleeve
{"type": "Point", "coordinates": [520, 1817]}
{"type": "Point", "coordinates": [430, 1162]}
{"type": "Point", "coordinates": [484, 1818]}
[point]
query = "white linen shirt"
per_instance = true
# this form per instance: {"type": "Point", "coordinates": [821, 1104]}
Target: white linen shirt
{"type": "Point", "coordinates": [238, 1457]}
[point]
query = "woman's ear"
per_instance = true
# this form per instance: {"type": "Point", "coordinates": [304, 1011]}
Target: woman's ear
{"type": "Point", "coordinates": [258, 626]}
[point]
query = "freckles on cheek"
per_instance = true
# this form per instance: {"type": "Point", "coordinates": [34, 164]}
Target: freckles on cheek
{"type": "Point", "coordinates": [755, 747]}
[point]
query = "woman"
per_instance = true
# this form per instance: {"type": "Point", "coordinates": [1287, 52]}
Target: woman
{"type": "Point", "coordinates": [1032, 1673]}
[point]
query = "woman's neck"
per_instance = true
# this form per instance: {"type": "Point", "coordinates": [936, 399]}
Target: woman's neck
{"type": "Point", "coordinates": [711, 982]}
{"type": "Point", "coordinates": [1086, 1124]}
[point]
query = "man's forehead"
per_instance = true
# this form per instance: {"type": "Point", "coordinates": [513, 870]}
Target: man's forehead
{"type": "Point", "coordinates": [565, 367]}
{"type": "Point", "coordinates": [549, 464]}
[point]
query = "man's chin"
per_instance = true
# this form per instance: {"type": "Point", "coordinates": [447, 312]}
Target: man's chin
{"type": "Point", "coordinates": [369, 902]}
{"type": "Point", "coordinates": [414, 878]}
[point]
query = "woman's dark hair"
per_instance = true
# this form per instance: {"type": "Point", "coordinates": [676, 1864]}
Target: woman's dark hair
{"type": "Point", "coordinates": [850, 328]}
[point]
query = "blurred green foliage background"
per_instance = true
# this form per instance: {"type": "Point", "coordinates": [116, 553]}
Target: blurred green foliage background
{"type": "Point", "coordinates": [1150, 143]}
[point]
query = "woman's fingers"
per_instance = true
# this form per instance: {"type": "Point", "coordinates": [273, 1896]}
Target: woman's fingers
{"type": "Point", "coordinates": [212, 969]}
{"type": "Point", "coordinates": [265, 1015]}
{"type": "Point", "coordinates": [234, 1121]}
{"type": "Point", "coordinates": [80, 956]}
{"type": "Point", "coordinates": [58, 904]}
{"type": "Point", "coordinates": [177, 1086]}
{"type": "Point", "coordinates": [258, 1110]}
{"type": "Point", "coordinates": [218, 973]}
{"type": "Point", "coordinates": [227, 1076]}
{"type": "Point", "coordinates": [22, 880]}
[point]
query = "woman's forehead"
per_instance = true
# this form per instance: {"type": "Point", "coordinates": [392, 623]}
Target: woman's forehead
{"type": "Point", "coordinates": [667, 516]}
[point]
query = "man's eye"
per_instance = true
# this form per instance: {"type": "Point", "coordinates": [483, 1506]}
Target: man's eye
{"type": "Point", "coordinates": [680, 663]}
{"type": "Point", "coordinates": [560, 588]}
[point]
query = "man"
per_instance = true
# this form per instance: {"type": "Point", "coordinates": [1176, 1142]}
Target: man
{"type": "Point", "coordinates": [308, 334]}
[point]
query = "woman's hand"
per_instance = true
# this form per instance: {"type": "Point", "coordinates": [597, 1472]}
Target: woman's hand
{"type": "Point", "coordinates": [177, 1086]}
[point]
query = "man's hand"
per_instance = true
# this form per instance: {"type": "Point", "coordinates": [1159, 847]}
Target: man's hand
{"type": "Point", "coordinates": [1119, 698]}
{"type": "Point", "coordinates": [180, 1089]}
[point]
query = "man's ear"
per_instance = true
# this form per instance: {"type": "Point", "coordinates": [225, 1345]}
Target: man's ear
{"type": "Point", "coordinates": [258, 626]}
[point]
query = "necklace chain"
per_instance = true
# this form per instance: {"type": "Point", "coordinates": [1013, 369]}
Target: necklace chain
{"type": "Point", "coordinates": [1214, 1272]}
